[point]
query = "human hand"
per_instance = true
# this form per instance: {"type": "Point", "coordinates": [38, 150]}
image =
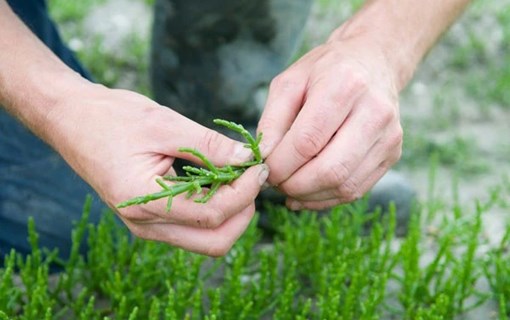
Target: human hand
{"type": "Point", "coordinates": [331, 124]}
{"type": "Point", "coordinates": [120, 142]}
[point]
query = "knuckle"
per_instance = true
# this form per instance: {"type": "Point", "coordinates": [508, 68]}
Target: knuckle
{"type": "Point", "coordinates": [349, 191]}
{"type": "Point", "coordinates": [397, 137]}
{"type": "Point", "coordinates": [358, 82]}
{"type": "Point", "coordinates": [394, 143]}
{"type": "Point", "coordinates": [386, 112]}
{"type": "Point", "coordinates": [267, 123]}
{"type": "Point", "coordinates": [309, 141]}
{"type": "Point", "coordinates": [327, 105]}
{"type": "Point", "coordinates": [334, 175]}
{"type": "Point", "coordinates": [384, 115]}
{"type": "Point", "coordinates": [211, 141]}
{"type": "Point", "coordinates": [392, 111]}
{"type": "Point", "coordinates": [386, 164]}
{"type": "Point", "coordinates": [283, 82]}
{"type": "Point", "coordinates": [211, 218]}
{"type": "Point", "coordinates": [398, 154]}
{"type": "Point", "coordinates": [220, 247]}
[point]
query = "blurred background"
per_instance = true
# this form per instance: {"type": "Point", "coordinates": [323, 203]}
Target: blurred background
{"type": "Point", "coordinates": [455, 113]}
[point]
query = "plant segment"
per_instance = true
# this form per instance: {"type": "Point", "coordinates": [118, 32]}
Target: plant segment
{"type": "Point", "coordinates": [196, 178]}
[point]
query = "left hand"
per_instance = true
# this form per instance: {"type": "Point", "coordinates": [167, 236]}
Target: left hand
{"type": "Point", "coordinates": [331, 124]}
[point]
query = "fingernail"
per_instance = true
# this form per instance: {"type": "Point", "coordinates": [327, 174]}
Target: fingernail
{"type": "Point", "coordinates": [263, 174]}
{"type": "Point", "coordinates": [294, 205]}
{"type": "Point", "coordinates": [242, 154]}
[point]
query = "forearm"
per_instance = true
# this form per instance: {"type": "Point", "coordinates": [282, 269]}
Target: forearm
{"type": "Point", "coordinates": [404, 29]}
{"type": "Point", "coordinates": [32, 78]}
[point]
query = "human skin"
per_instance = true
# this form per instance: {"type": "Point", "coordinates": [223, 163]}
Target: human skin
{"type": "Point", "coordinates": [119, 142]}
{"type": "Point", "coordinates": [331, 122]}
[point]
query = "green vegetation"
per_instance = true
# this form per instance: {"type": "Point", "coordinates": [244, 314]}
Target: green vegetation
{"type": "Point", "coordinates": [344, 265]}
{"type": "Point", "coordinates": [71, 11]}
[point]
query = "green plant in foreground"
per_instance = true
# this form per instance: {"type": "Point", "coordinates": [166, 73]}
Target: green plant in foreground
{"type": "Point", "coordinates": [196, 178]}
{"type": "Point", "coordinates": [318, 267]}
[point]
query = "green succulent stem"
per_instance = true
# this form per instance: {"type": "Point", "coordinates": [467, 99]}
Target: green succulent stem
{"type": "Point", "coordinates": [211, 176]}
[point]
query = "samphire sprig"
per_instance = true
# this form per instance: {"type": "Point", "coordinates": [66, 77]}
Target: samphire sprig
{"type": "Point", "coordinates": [209, 176]}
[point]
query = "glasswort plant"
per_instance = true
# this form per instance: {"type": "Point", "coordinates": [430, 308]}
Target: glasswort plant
{"type": "Point", "coordinates": [211, 176]}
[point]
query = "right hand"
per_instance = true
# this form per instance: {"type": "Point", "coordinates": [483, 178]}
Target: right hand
{"type": "Point", "coordinates": [120, 142]}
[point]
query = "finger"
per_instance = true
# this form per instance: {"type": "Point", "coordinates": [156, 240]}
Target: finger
{"type": "Point", "coordinates": [180, 132]}
{"type": "Point", "coordinates": [226, 202]}
{"type": "Point", "coordinates": [326, 108]}
{"type": "Point", "coordinates": [384, 154]}
{"type": "Point", "coordinates": [312, 205]}
{"type": "Point", "coordinates": [349, 148]}
{"type": "Point", "coordinates": [212, 242]}
{"type": "Point", "coordinates": [295, 204]}
{"type": "Point", "coordinates": [285, 99]}
{"type": "Point", "coordinates": [353, 188]}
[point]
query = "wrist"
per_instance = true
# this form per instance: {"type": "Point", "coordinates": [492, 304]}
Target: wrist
{"type": "Point", "coordinates": [399, 57]}
{"type": "Point", "coordinates": [37, 97]}
{"type": "Point", "coordinates": [403, 31]}
{"type": "Point", "coordinates": [32, 79]}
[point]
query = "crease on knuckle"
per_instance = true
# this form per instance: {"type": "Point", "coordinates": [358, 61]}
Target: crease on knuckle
{"type": "Point", "coordinates": [267, 124]}
{"type": "Point", "coordinates": [334, 175]}
{"type": "Point", "coordinates": [309, 142]}
{"type": "Point", "coordinates": [210, 142]}
{"type": "Point", "coordinates": [349, 191]}
{"type": "Point", "coordinates": [211, 218]}
{"type": "Point", "coordinates": [386, 165]}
